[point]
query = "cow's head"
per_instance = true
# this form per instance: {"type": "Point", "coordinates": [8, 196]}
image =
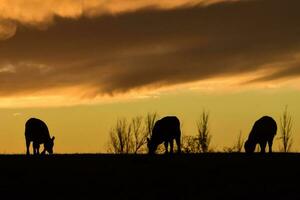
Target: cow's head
{"type": "Point", "coordinates": [151, 146]}
{"type": "Point", "coordinates": [49, 145]}
{"type": "Point", "coordinates": [249, 146]}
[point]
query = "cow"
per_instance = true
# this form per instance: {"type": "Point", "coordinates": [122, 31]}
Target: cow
{"type": "Point", "coordinates": [165, 131]}
{"type": "Point", "coordinates": [36, 131]}
{"type": "Point", "coordinates": [262, 133]}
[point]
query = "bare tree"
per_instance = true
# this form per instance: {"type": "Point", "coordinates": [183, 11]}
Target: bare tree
{"type": "Point", "coordinates": [238, 146]}
{"type": "Point", "coordinates": [286, 126]}
{"type": "Point", "coordinates": [139, 134]}
{"type": "Point", "coordinates": [120, 137]}
{"type": "Point", "coordinates": [200, 142]}
{"type": "Point", "coordinates": [131, 137]}
{"type": "Point", "coordinates": [239, 143]}
{"type": "Point", "coordinates": [149, 123]}
{"type": "Point", "coordinates": [204, 136]}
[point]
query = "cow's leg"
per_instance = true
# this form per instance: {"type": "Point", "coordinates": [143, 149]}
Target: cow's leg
{"type": "Point", "coordinates": [27, 146]}
{"type": "Point", "coordinates": [44, 151]}
{"type": "Point", "coordinates": [178, 145]}
{"type": "Point", "coordinates": [33, 148]}
{"type": "Point", "coordinates": [171, 145]}
{"type": "Point", "coordinates": [36, 147]}
{"type": "Point", "coordinates": [166, 146]}
{"type": "Point", "coordinates": [270, 144]}
{"type": "Point", "coordinates": [263, 147]}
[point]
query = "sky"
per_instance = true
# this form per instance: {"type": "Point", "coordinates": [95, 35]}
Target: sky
{"type": "Point", "coordinates": [81, 65]}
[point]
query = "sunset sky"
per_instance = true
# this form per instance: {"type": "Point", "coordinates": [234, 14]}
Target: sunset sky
{"type": "Point", "coordinates": [80, 65]}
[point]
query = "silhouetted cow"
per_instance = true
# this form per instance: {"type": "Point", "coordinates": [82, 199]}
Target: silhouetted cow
{"type": "Point", "coordinates": [262, 132]}
{"type": "Point", "coordinates": [36, 131]}
{"type": "Point", "coordinates": [165, 130]}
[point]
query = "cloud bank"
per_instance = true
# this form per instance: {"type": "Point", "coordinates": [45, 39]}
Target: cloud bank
{"type": "Point", "coordinates": [146, 45]}
{"type": "Point", "coordinates": [42, 13]}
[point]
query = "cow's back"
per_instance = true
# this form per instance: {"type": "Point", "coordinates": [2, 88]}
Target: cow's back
{"type": "Point", "coordinates": [166, 128]}
{"type": "Point", "coordinates": [36, 130]}
{"type": "Point", "coordinates": [264, 129]}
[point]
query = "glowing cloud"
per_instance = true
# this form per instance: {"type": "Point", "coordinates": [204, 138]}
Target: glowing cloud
{"type": "Point", "coordinates": [41, 13]}
{"type": "Point", "coordinates": [117, 47]}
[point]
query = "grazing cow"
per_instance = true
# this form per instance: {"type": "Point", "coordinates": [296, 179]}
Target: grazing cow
{"type": "Point", "coordinates": [262, 132]}
{"type": "Point", "coordinates": [36, 131]}
{"type": "Point", "coordinates": [165, 130]}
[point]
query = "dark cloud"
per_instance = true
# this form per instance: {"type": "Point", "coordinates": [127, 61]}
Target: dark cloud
{"type": "Point", "coordinates": [149, 47]}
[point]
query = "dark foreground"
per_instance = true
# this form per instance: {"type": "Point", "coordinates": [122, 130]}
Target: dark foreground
{"type": "Point", "coordinates": [204, 176]}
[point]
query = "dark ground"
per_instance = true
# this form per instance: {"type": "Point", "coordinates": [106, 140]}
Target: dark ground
{"type": "Point", "coordinates": [203, 176]}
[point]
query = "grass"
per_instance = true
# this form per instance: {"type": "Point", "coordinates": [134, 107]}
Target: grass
{"type": "Point", "coordinates": [195, 176]}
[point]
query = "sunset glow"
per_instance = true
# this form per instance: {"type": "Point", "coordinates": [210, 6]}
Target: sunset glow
{"type": "Point", "coordinates": [81, 65]}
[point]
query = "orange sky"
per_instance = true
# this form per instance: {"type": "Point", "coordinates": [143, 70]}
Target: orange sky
{"type": "Point", "coordinates": [85, 55]}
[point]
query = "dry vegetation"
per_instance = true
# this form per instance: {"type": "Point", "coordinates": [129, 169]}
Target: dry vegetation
{"type": "Point", "coordinates": [286, 127]}
{"type": "Point", "coordinates": [130, 136]}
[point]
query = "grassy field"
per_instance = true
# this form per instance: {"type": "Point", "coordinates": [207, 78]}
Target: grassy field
{"type": "Point", "coordinates": [202, 176]}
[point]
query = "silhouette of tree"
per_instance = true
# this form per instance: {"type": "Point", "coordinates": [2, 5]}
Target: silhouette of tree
{"type": "Point", "coordinates": [286, 126]}
{"type": "Point", "coordinates": [200, 142]}
{"type": "Point", "coordinates": [139, 133]}
{"type": "Point", "coordinates": [204, 136]}
{"type": "Point", "coordinates": [238, 146]}
{"type": "Point", "coordinates": [239, 143]}
{"type": "Point", "coordinates": [120, 137]}
{"type": "Point", "coordinates": [150, 120]}
{"type": "Point", "coordinates": [131, 137]}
